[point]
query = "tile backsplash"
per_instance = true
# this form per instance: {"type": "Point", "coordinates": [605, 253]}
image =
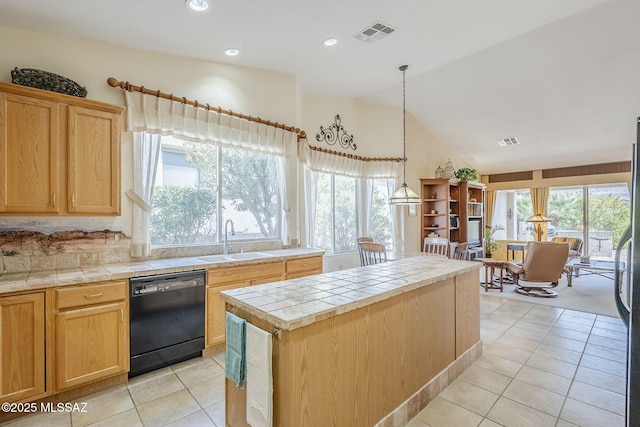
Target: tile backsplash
{"type": "Point", "coordinates": [24, 251]}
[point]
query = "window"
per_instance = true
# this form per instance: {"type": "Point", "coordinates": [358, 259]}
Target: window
{"type": "Point", "coordinates": [380, 218]}
{"type": "Point", "coordinates": [336, 227]}
{"type": "Point", "coordinates": [346, 208]}
{"type": "Point", "coordinates": [199, 186]}
{"type": "Point", "coordinates": [597, 214]}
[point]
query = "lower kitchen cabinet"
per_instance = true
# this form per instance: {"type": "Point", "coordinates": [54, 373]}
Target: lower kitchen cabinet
{"type": "Point", "coordinates": [302, 267]}
{"type": "Point", "coordinates": [216, 313]}
{"type": "Point", "coordinates": [92, 336]}
{"type": "Point", "coordinates": [224, 279]}
{"type": "Point", "coordinates": [22, 340]}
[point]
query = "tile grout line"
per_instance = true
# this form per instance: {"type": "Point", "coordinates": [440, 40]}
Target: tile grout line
{"type": "Point", "coordinates": [523, 364]}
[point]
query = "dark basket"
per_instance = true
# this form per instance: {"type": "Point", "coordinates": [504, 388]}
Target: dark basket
{"type": "Point", "coordinates": [48, 81]}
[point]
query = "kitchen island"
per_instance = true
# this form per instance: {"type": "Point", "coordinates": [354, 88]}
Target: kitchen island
{"type": "Point", "coordinates": [364, 346]}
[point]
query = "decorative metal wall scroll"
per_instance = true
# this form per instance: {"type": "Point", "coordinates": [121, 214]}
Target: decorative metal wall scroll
{"type": "Point", "coordinates": [336, 133]}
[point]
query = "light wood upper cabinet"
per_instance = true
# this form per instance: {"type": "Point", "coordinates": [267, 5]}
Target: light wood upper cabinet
{"type": "Point", "coordinates": [60, 154]}
{"type": "Point", "coordinates": [94, 161]}
{"type": "Point", "coordinates": [29, 147]}
{"type": "Point", "coordinates": [22, 355]}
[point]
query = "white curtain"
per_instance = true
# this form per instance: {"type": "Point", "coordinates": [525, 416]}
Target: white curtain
{"type": "Point", "coordinates": [364, 200]}
{"type": "Point", "coordinates": [150, 114]}
{"type": "Point", "coordinates": [318, 161]}
{"type": "Point", "coordinates": [287, 170]}
{"type": "Point", "coordinates": [310, 197]}
{"type": "Point", "coordinates": [146, 152]}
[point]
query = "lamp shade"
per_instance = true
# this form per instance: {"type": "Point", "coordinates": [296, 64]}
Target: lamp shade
{"type": "Point", "coordinates": [404, 196]}
{"type": "Point", "coordinates": [539, 218]}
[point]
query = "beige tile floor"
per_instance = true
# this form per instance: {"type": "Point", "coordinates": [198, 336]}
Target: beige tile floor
{"type": "Point", "coordinates": [541, 366]}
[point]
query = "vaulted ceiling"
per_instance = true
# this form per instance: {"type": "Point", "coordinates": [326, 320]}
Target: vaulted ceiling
{"type": "Point", "coordinates": [560, 75]}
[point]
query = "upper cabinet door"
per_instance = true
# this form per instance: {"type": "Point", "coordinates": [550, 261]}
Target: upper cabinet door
{"type": "Point", "coordinates": [29, 148]}
{"type": "Point", "coordinates": [94, 162]}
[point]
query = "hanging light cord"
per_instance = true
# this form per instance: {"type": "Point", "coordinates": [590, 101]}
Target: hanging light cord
{"type": "Point", "coordinates": [403, 68]}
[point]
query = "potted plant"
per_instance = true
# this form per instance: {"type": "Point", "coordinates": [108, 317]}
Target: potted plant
{"type": "Point", "coordinates": [490, 245]}
{"type": "Point", "coordinates": [466, 174]}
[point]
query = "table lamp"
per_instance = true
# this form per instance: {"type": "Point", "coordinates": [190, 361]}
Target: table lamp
{"type": "Point", "coordinates": [537, 220]}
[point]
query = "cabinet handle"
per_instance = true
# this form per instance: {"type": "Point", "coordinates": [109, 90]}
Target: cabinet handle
{"type": "Point", "coordinates": [53, 199]}
{"type": "Point", "coordinates": [73, 200]}
{"type": "Point", "coordinates": [122, 315]}
{"type": "Point", "coordinates": [93, 295]}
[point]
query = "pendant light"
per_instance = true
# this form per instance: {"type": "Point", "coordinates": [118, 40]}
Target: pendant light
{"type": "Point", "coordinates": [404, 195]}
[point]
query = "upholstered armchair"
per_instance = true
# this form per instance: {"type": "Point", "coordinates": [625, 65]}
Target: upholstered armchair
{"type": "Point", "coordinates": [544, 262]}
{"type": "Point", "coordinates": [575, 248]}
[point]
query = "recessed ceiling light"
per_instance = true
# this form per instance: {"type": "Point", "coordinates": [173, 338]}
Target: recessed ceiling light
{"type": "Point", "coordinates": [231, 51]}
{"type": "Point", "coordinates": [198, 5]}
{"type": "Point", "coordinates": [331, 41]}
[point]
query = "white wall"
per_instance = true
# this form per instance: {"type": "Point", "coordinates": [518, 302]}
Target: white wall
{"type": "Point", "coordinates": [377, 132]}
{"type": "Point", "coordinates": [270, 95]}
{"type": "Point", "coordinates": [265, 94]}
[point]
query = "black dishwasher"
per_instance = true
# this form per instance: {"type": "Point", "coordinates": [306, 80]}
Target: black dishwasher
{"type": "Point", "coordinates": [167, 319]}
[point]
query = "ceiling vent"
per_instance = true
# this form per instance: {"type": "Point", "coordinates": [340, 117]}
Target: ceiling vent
{"type": "Point", "coordinates": [374, 32]}
{"type": "Point", "coordinates": [506, 142]}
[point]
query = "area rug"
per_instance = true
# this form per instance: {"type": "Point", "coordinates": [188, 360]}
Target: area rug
{"type": "Point", "coordinates": [589, 293]}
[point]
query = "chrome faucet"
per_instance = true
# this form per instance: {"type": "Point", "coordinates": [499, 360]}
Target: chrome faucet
{"type": "Point", "coordinates": [226, 246]}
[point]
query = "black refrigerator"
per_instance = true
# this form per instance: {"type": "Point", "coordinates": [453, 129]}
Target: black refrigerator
{"type": "Point", "coordinates": [627, 294]}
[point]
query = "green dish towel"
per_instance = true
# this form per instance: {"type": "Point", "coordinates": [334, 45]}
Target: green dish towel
{"type": "Point", "coordinates": [236, 350]}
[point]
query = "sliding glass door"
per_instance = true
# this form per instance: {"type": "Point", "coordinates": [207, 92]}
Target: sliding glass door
{"type": "Point", "coordinates": [597, 214]}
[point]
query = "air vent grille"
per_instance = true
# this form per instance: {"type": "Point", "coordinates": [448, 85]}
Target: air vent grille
{"type": "Point", "coordinates": [374, 32]}
{"type": "Point", "coordinates": [506, 142]}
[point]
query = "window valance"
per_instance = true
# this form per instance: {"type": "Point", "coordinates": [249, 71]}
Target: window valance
{"type": "Point", "coordinates": [156, 115]}
{"type": "Point", "coordinates": [320, 160]}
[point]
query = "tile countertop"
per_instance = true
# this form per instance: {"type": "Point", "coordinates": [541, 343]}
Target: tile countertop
{"type": "Point", "coordinates": [295, 303]}
{"type": "Point", "coordinates": [15, 282]}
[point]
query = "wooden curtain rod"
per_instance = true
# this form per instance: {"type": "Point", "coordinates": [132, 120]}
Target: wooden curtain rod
{"type": "Point", "coordinates": [113, 82]}
{"type": "Point", "coordinates": [353, 156]}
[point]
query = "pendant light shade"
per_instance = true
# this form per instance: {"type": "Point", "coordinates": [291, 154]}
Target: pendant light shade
{"type": "Point", "coordinates": [404, 195]}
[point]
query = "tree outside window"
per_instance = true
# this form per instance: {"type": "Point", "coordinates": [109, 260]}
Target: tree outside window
{"type": "Point", "coordinates": [194, 176]}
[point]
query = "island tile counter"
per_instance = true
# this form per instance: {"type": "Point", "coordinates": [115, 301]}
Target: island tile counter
{"type": "Point", "coordinates": [364, 346]}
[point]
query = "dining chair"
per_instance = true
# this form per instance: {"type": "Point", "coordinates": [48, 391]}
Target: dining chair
{"type": "Point", "coordinates": [363, 239]}
{"type": "Point", "coordinates": [372, 253]}
{"type": "Point", "coordinates": [436, 245]}
{"type": "Point", "coordinates": [461, 251]}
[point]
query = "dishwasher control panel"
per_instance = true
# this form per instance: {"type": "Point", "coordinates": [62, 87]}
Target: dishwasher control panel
{"type": "Point", "coordinates": [166, 282]}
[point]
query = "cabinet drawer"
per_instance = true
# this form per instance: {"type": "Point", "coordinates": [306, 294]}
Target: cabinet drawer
{"type": "Point", "coordinates": [312, 264]}
{"type": "Point", "coordinates": [219, 276]}
{"type": "Point", "coordinates": [77, 296]}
